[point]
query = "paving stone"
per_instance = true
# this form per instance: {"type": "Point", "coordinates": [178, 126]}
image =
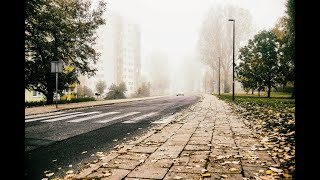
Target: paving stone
{"type": "Point", "coordinates": [201, 139]}
{"type": "Point", "coordinates": [187, 169]}
{"type": "Point", "coordinates": [224, 168]}
{"type": "Point", "coordinates": [148, 171]}
{"type": "Point", "coordinates": [135, 156]}
{"type": "Point", "coordinates": [162, 163]}
{"type": "Point", "coordinates": [122, 163]}
{"type": "Point", "coordinates": [184, 176]}
{"type": "Point", "coordinates": [109, 173]}
{"type": "Point", "coordinates": [251, 171]}
{"type": "Point", "coordinates": [143, 149]}
{"type": "Point", "coordinates": [197, 147]}
{"type": "Point", "coordinates": [216, 176]}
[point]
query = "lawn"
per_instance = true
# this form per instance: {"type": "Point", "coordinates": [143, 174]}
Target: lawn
{"type": "Point", "coordinates": [273, 122]}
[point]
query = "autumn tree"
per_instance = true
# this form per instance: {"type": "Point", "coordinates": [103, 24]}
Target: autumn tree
{"type": "Point", "coordinates": [117, 91]}
{"type": "Point", "coordinates": [215, 38]}
{"type": "Point", "coordinates": [60, 30]}
{"type": "Point", "coordinates": [101, 86]}
{"type": "Point", "coordinates": [260, 61]}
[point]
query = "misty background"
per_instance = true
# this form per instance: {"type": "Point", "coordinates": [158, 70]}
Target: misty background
{"type": "Point", "coordinates": [181, 40]}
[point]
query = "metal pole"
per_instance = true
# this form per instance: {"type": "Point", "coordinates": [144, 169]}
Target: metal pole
{"type": "Point", "coordinates": [212, 77]}
{"type": "Point", "coordinates": [56, 85]}
{"type": "Point", "coordinates": [219, 76]}
{"type": "Point", "coordinates": [233, 62]}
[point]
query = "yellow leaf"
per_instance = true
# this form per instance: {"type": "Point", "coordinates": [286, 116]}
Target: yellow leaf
{"type": "Point", "coordinates": [233, 169]}
{"type": "Point", "coordinates": [206, 175]}
{"type": "Point", "coordinates": [269, 172]}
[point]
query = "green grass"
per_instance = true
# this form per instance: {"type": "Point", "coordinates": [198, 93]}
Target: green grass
{"type": "Point", "coordinates": [277, 100]}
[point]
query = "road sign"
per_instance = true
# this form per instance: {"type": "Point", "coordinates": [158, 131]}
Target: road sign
{"type": "Point", "coordinates": [56, 66]}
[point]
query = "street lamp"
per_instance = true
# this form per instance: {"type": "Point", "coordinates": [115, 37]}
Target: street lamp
{"type": "Point", "coordinates": [219, 76]}
{"type": "Point", "coordinates": [233, 59]}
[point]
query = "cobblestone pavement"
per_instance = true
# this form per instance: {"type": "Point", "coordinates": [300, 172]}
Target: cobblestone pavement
{"type": "Point", "coordinates": [207, 141]}
{"type": "Point", "coordinates": [52, 108]}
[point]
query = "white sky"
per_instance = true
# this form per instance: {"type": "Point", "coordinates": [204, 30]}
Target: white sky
{"type": "Point", "coordinates": [172, 25]}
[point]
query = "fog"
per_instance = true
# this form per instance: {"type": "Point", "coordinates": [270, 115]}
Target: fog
{"type": "Point", "coordinates": [172, 37]}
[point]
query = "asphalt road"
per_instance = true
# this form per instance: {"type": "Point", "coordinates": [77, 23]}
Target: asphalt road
{"type": "Point", "coordinates": [56, 142]}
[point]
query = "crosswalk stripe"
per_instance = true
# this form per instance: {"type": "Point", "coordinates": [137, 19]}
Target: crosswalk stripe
{"type": "Point", "coordinates": [117, 117]}
{"type": "Point", "coordinates": [43, 115]}
{"type": "Point", "coordinates": [47, 117]}
{"type": "Point", "coordinates": [92, 117]}
{"type": "Point", "coordinates": [68, 117]}
{"type": "Point", "coordinates": [134, 120]}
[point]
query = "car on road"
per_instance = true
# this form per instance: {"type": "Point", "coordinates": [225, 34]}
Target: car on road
{"type": "Point", "coordinates": [180, 93]}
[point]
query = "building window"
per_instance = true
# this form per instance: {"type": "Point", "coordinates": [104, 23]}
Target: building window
{"type": "Point", "coordinates": [36, 93]}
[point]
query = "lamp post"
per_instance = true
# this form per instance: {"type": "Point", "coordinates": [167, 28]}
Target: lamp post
{"type": "Point", "coordinates": [56, 67]}
{"type": "Point", "coordinates": [233, 59]}
{"type": "Point", "coordinates": [219, 76]}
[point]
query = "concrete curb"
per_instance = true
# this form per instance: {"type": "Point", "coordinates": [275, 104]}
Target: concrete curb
{"type": "Point", "coordinates": [89, 106]}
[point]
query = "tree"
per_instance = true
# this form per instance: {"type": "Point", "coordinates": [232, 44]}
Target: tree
{"type": "Point", "coordinates": [143, 90]}
{"type": "Point", "coordinates": [215, 39]}
{"type": "Point", "coordinates": [116, 92]}
{"type": "Point", "coordinates": [260, 61]}
{"type": "Point", "coordinates": [84, 91]}
{"type": "Point", "coordinates": [59, 30]}
{"type": "Point", "coordinates": [289, 47]}
{"type": "Point", "coordinates": [101, 86]}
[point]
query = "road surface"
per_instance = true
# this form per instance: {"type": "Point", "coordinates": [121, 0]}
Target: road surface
{"type": "Point", "coordinates": [63, 141]}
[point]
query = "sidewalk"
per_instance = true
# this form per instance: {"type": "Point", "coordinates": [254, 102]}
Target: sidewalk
{"type": "Point", "coordinates": [206, 141]}
{"type": "Point", "coordinates": [52, 108]}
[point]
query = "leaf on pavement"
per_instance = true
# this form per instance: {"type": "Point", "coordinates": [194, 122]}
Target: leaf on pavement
{"type": "Point", "coordinates": [69, 172]}
{"type": "Point", "coordinates": [233, 169]}
{"type": "Point", "coordinates": [269, 172]}
{"type": "Point", "coordinates": [224, 176]}
{"type": "Point", "coordinates": [50, 174]}
{"type": "Point", "coordinates": [206, 175]}
{"type": "Point", "coordinates": [275, 169]}
{"type": "Point", "coordinates": [177, 177]}
{"type": "Point", "coordinates": [84, 152]}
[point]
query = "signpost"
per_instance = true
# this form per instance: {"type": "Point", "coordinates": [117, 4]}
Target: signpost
{"type": "Point", "coordinates": [56, 67]}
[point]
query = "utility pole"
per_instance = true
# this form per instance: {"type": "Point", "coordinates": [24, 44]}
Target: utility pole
{"type": "Point", "coordinates": [219, 76]}
{"type": "Point", "coordinates": [233, 59]}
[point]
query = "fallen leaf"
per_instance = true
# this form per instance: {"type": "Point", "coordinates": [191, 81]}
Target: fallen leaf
{"type": "Point", "coordinates": [269, 172]}
{"type": "Point", "coordinates": [69, 172]}
{"type": "Point", "coordinates": [177, 177]}
{"type": "Point", "coordinates": [107, 174]}
{"type": "Point", "coordinates": [54, 160]}
{"type": "Point", "coordinates": [84, 152]}
{"type": "Point", "coordinates": [204, 170]}
{"type": "Point", "coordinates": [206, 175]}
{"type": "Point", "coordinates": [224, 176]}
{"type": "Point", "coordinates": [275, 169]}
{"type": "Point", "coordinates": [233, 169]}
{"type": "Point", "coordinates": [115, 140]}
{"type": "Point", "coordinates": [49, 174]}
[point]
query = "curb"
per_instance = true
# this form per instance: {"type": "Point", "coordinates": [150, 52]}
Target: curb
{"type": "Point", "coordinates": [96, 105]}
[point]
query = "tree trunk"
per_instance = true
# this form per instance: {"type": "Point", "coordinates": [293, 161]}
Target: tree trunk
{"type": "Point", "coordinates": [293, 92]}
{"type": "Point", "coordinates": [49, 97]}
{"type": "Point", "coordinates": [252, 91]}
{"type": "Point", "coordinates": [258, 92]}
{"type": "Point", "coordinates": [269, 90]}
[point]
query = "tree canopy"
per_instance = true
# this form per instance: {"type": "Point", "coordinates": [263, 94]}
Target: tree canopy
{"type": "Point", "coordinates": [60, 30]}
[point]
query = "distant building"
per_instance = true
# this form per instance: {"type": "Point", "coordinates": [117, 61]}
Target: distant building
{"type": "Point", "coordinates": [33, 96]}
{"type": "Point", "coordinates": [120, 60]}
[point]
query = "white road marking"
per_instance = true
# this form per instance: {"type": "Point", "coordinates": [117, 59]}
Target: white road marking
{"type": "Point", "coordinates": [117, 117]}
{"type": "Point", "coordinates": [92, 117]}
{"type": "Point", "coordinates": [43, 115]}
{"type": "Point", "coordinates": [48, 117]}
{"type": "Point", "coordinates": [68, 117]}
{"type": "Point", "coordinates": [164, 120]}
{"type": "Point", "coordinates": [135, 120]}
